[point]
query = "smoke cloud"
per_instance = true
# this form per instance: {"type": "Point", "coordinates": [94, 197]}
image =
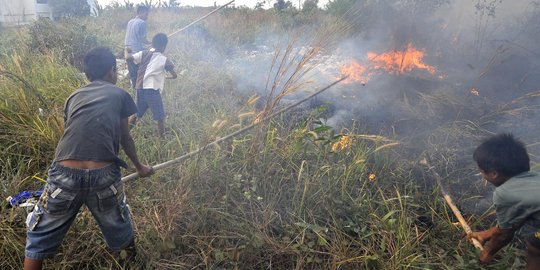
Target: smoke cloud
{"type": "Point", "coordinates": [485, 55]}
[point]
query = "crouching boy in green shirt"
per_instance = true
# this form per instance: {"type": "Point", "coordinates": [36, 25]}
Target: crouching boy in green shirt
{"type": "Point", "coordinates": [503, 161]}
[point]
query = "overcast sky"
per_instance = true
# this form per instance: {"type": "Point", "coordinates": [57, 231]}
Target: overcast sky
{"type": "Point", "coordinates": [249, 3]}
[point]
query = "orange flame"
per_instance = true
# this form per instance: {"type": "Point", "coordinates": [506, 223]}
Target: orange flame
{"type": "Point", "coordinates": [355, 71]}
{"type": "Point", "coordinates": [475, 92]}
{"type": "Point", "coordinates": [400, 61]}
{"type": "Point", "coordinates": [393, 62]}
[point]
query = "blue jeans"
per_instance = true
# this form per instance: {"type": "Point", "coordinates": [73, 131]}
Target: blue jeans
{"type": "Point", "coordinates": [67, 189]}
{"type": "Point", "coordinates": [133, 70]}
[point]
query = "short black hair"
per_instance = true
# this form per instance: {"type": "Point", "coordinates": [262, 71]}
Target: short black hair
{"type": "Point", "coordinates": [97, 62]}
{"type": "Point", "coordinates": [160, 41]}
{"type": "Point", "coordinates": [142, 8]}
{"type": "Point", "coordinates": [504, 154]}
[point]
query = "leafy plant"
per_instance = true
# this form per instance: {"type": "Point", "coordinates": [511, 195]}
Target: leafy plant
{"type": "Point", "coordinates": [69, 39]}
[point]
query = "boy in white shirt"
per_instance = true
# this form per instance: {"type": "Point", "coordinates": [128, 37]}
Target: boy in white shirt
{"type": "Point", "coordinates": [153, 66]}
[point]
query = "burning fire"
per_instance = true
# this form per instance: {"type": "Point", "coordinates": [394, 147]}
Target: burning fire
{"type": "Point", "coordinates": [355, 71]}
{"type": "Point", "coordinates": [344, 143]}
{"type": "Point", "coordinates": [475, 92]}
{"type": "Point", "coordinates": [393, 62]}
{"type": "Point", "coordinates": [400, 61]}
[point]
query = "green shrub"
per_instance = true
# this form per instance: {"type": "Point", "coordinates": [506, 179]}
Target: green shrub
{"type": "Point", "coordinates": [69, 38]}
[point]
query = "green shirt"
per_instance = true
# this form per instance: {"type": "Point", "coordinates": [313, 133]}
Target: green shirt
{"type": "Point", "coordinates": [517, 203]}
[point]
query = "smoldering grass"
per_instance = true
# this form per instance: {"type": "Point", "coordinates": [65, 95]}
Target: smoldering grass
{"type": "Point", "coordinates": [293, 203]}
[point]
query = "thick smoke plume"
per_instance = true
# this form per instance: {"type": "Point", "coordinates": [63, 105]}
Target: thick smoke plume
{"type": "Point", "coordinates": [482, 77]}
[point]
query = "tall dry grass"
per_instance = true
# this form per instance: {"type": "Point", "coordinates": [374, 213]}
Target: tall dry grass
{"type": "Point", "coordinates": [33, 88]}
{"type": "Point", "coordinates": [310, 197]}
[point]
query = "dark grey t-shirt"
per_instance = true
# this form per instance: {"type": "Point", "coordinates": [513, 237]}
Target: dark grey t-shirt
{"type": "Point", "coordinates": [92, 117]}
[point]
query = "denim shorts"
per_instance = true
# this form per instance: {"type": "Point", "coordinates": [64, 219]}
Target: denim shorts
{"type": "Point", "coordinates": [133, 70]}
{"type": "Point", "coordinates": [67, 189]}
{"type": "Point", "coordinates": [150, 98]}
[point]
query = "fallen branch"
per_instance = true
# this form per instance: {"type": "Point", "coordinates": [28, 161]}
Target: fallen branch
{"type": "Point", "coordinates": [216, 142]}
{"type": "Point", "coordinates": [452, 206]}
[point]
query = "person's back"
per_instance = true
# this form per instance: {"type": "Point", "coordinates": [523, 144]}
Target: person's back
{"type": "Point", "coordinates": [135, 34]}
{"type": "Point", "coordinates": [92, 122]}
{"type": "Point", "coordinates": [86, 167]}
{"type": "Point", "coordinates": [153, 67]}
{"type": "Point", "coordinates": [135, 39]}
{"type": "Point", "coordinates": [518, 202]}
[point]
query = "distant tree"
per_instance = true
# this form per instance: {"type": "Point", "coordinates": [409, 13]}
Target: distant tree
{"type": "Point", "coordinates": [420, 7]}
{"type": "Point", "coordinates": [150, 3]}
{"type": "Point", "coordinates": [169, 4]}
{"type": "Point", "coordinates": [310, 5]}
{"type": "Point", "coordinates": [99, 9]}
{"type": "Point", "coordinates": [282, 5]}
{"type": "Point", "coordinates": [340, 7]}
{"type": "Point", "coordinates": [260, 4]}
{"type": "Point", "coordinates": [126, 4]}
{"type": "Point", "coordinates": [70, 8]}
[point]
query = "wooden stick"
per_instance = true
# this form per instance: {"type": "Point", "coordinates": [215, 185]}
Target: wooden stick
{"type": "Point", "coordinates": [454, 208]}
{"type": "Point", "coordinates": [188, 155]}
{"type": "Point", "coordinates": [198, 20]}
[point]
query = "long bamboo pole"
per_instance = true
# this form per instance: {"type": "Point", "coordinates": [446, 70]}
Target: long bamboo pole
{"type": "Point", "coordinates": [454, 208]}
{"type": "Point", "coordinates": [198, 20]}
{"type": "Point", "coordinates": [216, 142]}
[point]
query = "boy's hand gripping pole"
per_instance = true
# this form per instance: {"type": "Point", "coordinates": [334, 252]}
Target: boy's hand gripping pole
{"type": "Point", "coordinates": [216, 142]}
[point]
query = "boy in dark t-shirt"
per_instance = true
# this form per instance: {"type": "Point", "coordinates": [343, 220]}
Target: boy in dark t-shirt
{"type": "Point", "coordinates": [86, 167]}
{"type": "Point", "coordinates": [503, 161]}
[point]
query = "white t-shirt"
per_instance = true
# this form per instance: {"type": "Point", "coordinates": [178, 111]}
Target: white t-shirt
{"type": "Point", "coordinates": [152, 68]}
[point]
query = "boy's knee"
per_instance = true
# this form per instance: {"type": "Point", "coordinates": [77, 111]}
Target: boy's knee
{"type": "Point", "coordinates": [533, 249]}
{"type": "Point", "coordinates": [533, 255]}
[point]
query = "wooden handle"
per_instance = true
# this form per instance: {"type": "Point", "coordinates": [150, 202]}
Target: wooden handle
{"type": "Point", "coordinates": [462, 221]}
{"type": "Point", "coordinates": [454, 208]}
{"type": "Point", "coordinates": [216, 142]}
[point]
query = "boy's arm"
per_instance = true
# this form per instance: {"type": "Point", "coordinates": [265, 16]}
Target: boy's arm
{"type": "Point", "coordinates": [128, 54]}
{"type": "Point", "coordinates": [173, 75]}
{"type": "Point", "coordinates": [129, 148]}
{"type": "Point", "coordinates": [498, 238]}
{"type": "Point", "coordinates": [169, 67]}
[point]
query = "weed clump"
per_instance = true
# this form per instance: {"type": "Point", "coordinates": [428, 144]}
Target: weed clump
{"type": "Point", "coordinates": [69, 38]}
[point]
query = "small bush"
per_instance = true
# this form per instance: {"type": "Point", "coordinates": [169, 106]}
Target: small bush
{"type": "Point", "coordinates": [69, 38]}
